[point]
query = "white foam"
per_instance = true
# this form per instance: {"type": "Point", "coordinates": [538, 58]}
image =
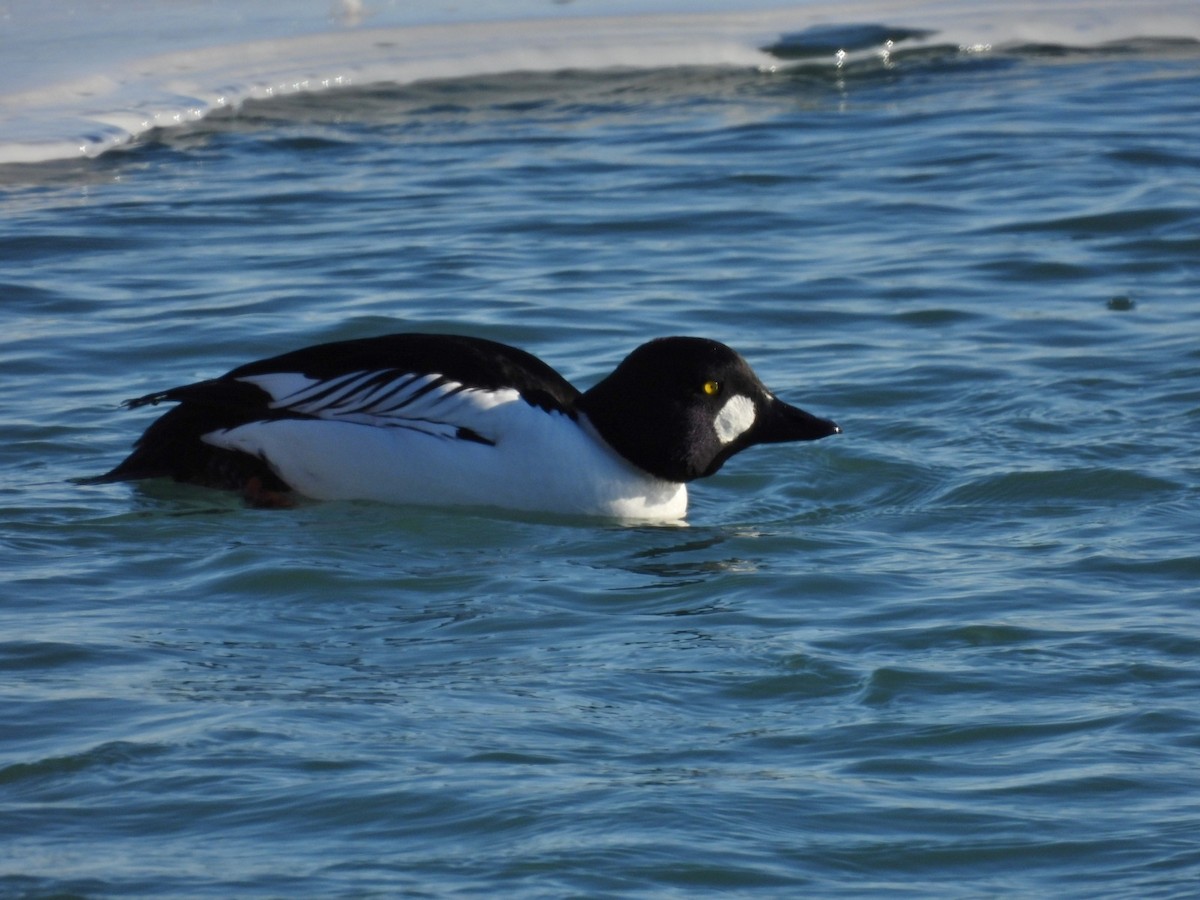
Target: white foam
{"type": "Point", "coordinates": [78, 79]}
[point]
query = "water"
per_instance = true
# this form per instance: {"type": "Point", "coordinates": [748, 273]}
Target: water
{"type": "Point", "coordinates": [952, 652]}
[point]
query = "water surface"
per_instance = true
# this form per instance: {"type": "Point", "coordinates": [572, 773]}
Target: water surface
{"type": "Point", "coordinates": [952, 652]}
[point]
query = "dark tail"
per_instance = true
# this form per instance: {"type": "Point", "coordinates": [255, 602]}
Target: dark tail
{"type": "Point", "coordinates": [173, 445]}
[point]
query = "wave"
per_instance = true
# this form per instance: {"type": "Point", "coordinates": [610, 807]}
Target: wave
{"type": "Point", "coordinates": [79, 84]}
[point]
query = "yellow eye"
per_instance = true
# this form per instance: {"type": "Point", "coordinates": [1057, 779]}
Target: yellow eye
{"type": "Point", "coordinates": [712, 388]}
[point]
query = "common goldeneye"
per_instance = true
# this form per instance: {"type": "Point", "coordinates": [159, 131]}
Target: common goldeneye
{"type": "Point", "coordinates": [448, 420]}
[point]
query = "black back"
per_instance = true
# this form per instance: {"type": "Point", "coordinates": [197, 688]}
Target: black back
{"type": "Point", "coordinates": [470, 361]}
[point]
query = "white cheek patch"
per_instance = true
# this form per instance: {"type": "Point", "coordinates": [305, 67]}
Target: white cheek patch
{"type": "Point", "coordinates": [734, 418]}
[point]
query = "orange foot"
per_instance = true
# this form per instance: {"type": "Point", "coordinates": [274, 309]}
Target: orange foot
{"type": "Point", "coordinates": [261, 497]}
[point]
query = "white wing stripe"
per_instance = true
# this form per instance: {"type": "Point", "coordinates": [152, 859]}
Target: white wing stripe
{"type": "Point", "coordinates": [387, 389]}
{"type": "Point", "coordinates": [360, 392]}
{"type": "Point", "coordinates": [316, 394]}
{"type": "Point", "coordinates": [389, 398]}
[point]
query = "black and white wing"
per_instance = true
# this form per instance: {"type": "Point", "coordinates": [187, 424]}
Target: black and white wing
{"type": "Point", "coordinates": [441, 385]}
{"type": "Point", "coordinates": [429, 403]}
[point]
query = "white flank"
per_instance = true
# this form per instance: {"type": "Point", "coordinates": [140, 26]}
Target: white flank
{"type": "Point", "coordinates": [362, 447]}
{"type": "Point", "coordinates": [734, 418]}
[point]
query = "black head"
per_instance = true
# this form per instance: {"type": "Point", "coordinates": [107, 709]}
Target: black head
{"type": "Point", "coordinates": [678, 407]}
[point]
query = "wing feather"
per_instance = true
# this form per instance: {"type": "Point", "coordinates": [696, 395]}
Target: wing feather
{"type": "Point", "coordinates": [428, 403]}
{"type": "Point", "coordinates": [450, 386]}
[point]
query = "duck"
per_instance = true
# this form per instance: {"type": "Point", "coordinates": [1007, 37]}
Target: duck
{"type": "Point", "coordinates": [455, 420]}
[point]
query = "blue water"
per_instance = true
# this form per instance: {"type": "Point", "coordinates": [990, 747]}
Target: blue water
{"type": "Point", "coordinates": [952, 652]}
